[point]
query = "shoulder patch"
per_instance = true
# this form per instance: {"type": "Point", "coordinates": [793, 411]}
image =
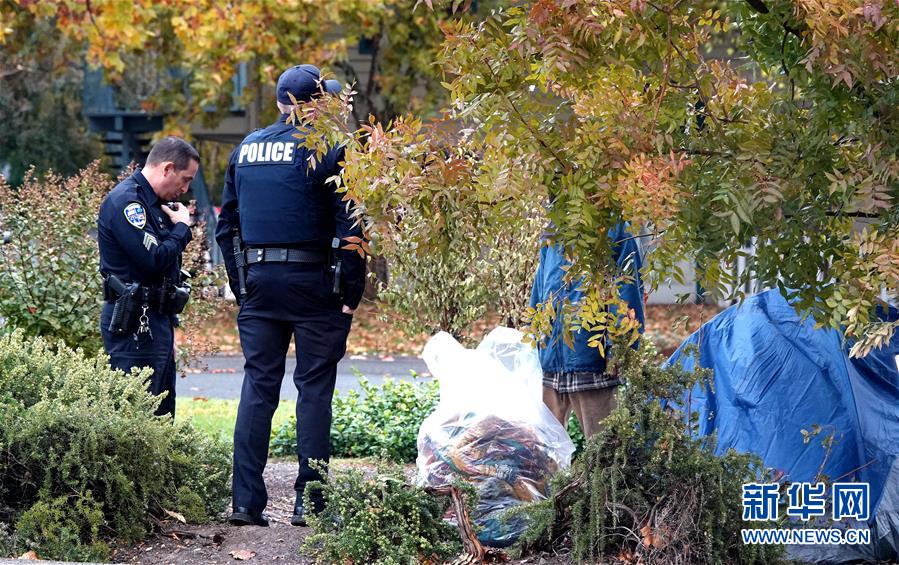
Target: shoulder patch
{"type": "Point", "coordinates": [136, 215]}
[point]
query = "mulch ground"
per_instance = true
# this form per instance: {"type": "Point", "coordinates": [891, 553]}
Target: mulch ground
{"type": "Point", "coordinates": [280, 543]}
{"type": "Point", "coordinates": [221, 542]}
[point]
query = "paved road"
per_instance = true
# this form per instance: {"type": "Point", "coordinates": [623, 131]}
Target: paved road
{"type": "Point", "coordinates": [223, 375]}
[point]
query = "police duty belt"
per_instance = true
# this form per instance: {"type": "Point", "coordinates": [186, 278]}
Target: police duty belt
{"type": "Point", "coordinates": [284, 255]}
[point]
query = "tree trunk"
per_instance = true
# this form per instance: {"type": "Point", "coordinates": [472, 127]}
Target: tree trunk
{"type": "Point", "coordinates": [378, 266]}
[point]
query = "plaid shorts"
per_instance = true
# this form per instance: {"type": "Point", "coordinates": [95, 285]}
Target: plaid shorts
{"type": "Point", "coordinates": [577, 381]}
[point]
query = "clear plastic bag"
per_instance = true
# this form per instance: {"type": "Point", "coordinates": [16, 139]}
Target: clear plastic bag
{"type": "Point", "coordinates": [491, 428]}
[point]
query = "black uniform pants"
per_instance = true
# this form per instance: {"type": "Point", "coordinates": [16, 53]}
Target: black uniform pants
{"type": "Point", "coordinates": [159, 354]}
{"type": "Point", "coordinates": [284, 300]}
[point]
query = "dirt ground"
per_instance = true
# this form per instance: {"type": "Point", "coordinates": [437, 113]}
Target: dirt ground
{"type": "Point", "coordinates": [224, 543]}
{"type": "Point", "coordinates": [220, 543]}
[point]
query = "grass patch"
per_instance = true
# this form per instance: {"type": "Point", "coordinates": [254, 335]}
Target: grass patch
{"type": "Point", "coordinates": [216, 416]}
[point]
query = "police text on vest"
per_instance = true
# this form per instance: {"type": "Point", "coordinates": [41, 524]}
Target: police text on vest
{"type": "Point", "coordinates": [266, 152]}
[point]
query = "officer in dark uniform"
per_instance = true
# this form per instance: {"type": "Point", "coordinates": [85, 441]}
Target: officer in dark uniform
{"type": "Point", "coordinates": [298, 283]}
{"type": "Point", "coordinates": [141, 239]}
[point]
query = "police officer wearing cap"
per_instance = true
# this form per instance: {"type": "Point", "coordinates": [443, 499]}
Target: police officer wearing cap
{"type": "Point", "coordinates": [296, 281]}
{"type": "Point", "coordinates": [141, 237]}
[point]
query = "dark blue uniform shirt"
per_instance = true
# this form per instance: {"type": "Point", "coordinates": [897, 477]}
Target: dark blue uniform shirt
{"type": "Point", "coordinates": [279, 201]}
{"type": "Point", "coordinates": [138, 242]}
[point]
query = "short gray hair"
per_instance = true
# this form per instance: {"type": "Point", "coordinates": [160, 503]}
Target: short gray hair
{"type": "Point", "coordinates": [173, 149]}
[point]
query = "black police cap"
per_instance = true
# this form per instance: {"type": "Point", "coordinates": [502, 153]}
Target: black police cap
{"type": "Point", "coordinates": [303, 82]}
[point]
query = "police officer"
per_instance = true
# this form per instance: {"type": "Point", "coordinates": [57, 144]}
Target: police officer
{"type": "Point", "coordinates": [141, 238]}
{"type": "Point", "coordinates": [298, 283]}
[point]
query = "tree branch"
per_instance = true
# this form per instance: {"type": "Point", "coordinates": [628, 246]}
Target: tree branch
{"type": "Point", "coordinates": [653, 235]}
{"type": "Point", "coordinates": [90, 13]}
{"type": "Point", "coordinates": [783, 65]}
{"type": "Point", "coordinates": [350, 72]}
{"type": "Point", "coordinates": [524, 122]}
{"type": "Point", "coordinates": [13, 71]}
{"type": "Point", "coordinates": [664, 85]}
{"type": "Point", "coordinates": [373, 71]}
{"type": "Point", "coordinates": [760, 7]}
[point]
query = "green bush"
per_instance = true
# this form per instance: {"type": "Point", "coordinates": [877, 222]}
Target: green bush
{"type": "Point", "coordinates": [9, 541]}
{"type": "Point", "coordinates": [82, 458]}
{"type": "Point", "coordinates": [49, 271]}
{"type": "Point", "coordinates": [576, 434]}
{"type": "Point", "coordinates": [380, 519]}
{"type": "Point", "coordinates": [67, 527]}
{"type": "Point", "coordinates": [645, 488]}
{"type": "Point", "coordinates": [383, 421]}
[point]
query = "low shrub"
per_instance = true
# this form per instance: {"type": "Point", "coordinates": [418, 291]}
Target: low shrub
{"type": "Point", "coordinates": [83, 460]}
{"type": "Point", "coordinates": [49, 271]}
{"type": "Point", "coordinates": [382, 421]}
{"type": "Point", "coordinates": [644, 490]}
{"type": "Point", "coordinates": [9, 541]}
{"type": "Point", "coordinates": [65, 527]}
{"type": "Point", "coordinates": [380, 519]}
{"type": "Point", "coordinates": [576, 434]}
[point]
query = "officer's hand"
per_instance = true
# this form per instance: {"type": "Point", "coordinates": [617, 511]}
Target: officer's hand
{"type": "Point", "coordinates": [182, 214]}
{"type": "Point", "coordinates": [347, 310]}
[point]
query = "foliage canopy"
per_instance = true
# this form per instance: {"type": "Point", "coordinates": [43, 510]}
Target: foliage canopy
{"type": "Point", "coordinates": [760, 134]}
{"type": "Point", "coordinates": [192, 50]}
{"type": "Point", "coordinates": [756, 139]}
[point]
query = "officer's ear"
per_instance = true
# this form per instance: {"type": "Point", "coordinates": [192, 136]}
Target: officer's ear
{"type": "Point", "coordinates": [167, 168]}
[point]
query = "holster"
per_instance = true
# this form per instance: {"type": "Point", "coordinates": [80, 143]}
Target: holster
{"type": "Point", "coordinates": [336, 268]}
{"type": "Point", "coordinates": [127, 306]}
{"type": "Point", "coordinates": [168, 299]}
{"type": "Point", "coordinates": [171, 299]}
{"type": "Point", "coordinates": [241, 261]}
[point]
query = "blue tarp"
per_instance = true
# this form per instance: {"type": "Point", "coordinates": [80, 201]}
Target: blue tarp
{"type": "Point", "coordinates": [774, 375]}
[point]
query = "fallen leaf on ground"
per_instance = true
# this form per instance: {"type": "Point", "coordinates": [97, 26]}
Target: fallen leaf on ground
{"type": "Point", "coordinates": [653, 537]}
{"type": "Point", "coordinates": [175, 515]}
{"type": "Point", "coordinates": [375, 333]}
{"type": "Point", "coordinates": [626, 556]}
{"type": "Point", "coordinates": [243, 554]}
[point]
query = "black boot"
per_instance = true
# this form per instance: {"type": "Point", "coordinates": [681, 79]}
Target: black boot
{"type": "Point", "coordinates": [299, 516]}
{"type": "Point", "coordinates": [243, 517]}
{"type": "Point", "coordinates": [300, 512]}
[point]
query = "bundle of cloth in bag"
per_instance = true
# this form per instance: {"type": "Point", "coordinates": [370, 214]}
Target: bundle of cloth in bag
{"type": "Point", "coordinates": [491, 429]}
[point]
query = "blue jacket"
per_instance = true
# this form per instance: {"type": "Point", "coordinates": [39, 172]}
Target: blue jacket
{"type": "Point", "coordinates": [278, 201]}
{"type": "Point", "coordinates": [581, 368]}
